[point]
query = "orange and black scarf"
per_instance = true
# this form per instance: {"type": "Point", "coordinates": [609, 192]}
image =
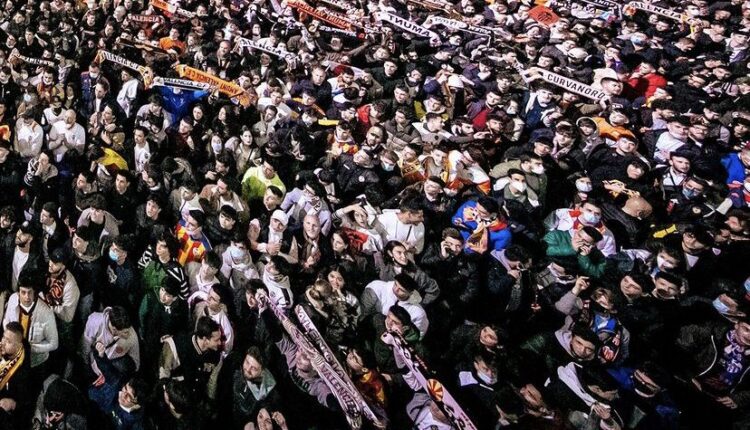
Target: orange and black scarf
{"type": "Point", "coordinates": [8, 368]}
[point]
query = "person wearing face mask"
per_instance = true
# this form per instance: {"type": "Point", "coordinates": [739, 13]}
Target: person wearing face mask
{"type": "Point", "coordinates": [237, 264]}
{"type": "Point", "coordinates": [123, 288]}
{"type": "Point", "coordinates": [590, 214]}
{"type": "Point", "coordinates": [483, 395]}
{"type": "Point", "coordinates": [644, 389]}
{"type": "Point", "coordinates": [533, 169]}
{"type": "Point", "coordinates": [514, 188]}
{"type": "Point", "coordinates": [551, 349]}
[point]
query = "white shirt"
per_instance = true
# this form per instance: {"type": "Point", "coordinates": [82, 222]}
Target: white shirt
{"type": "Point", "coordinates": [665, 145]}
{"type": "Point", "coordinates": [386, 298]}
{"type": "Point", "coordinates": [19, 260]}
{"type": "Point", "coordinates": [127, 95]}
{"type": "Point", "coordinates": [142, 154]}
{"type": "Point", "coordinates": [60, 133]}
{"type": "Point", "coordinates": [28, 138]}
{"type": "Point", "coordinates": [391, 228]}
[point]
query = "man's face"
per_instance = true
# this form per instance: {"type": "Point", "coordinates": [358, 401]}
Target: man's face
{"type": "Point", "coordinates": [268, 171]}
{"type": "Point", "coordinates": [630, 288]}
{"type": "Point", "coordinates": [252, 370]}
{"type": "Point", "coordinates": [318, 76]}
{"type": "Point", "coordinates": [214, 342]}
{"type": "Point", "coordinates": [400, 292]}
{"type": "Point", "coordinates": [582, 349]}
{"type": "Point", "coordinates": [664, 289]}
{"type": "Point", "coordinates": [22, 239]}
{"type": "Point", "coordinates": [452, 245]}
{"type": "Point", "coordinates": [270, 200]}
{"type": "Point", "coordinates": [10, 344]}
{"type": "Point", "coordinates": [26, 296]}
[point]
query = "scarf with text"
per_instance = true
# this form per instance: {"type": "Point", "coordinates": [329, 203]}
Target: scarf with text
{"type": "Point", "coordinates": [327, 374]}
{"type": "Point", "coordinates": [230, 89]}
{"type": "Point", "coordinates": [146, 73]}
{"type": "Point", "coordinates": [312, 332]}
{"type": "Point", "coordinates": [418, 378]}
{"type": "Point", "coordinates": [406, 25]}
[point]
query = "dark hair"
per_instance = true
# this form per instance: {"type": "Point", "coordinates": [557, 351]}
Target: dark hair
{"type": "Point", "coordinates": [255, 353]}
{"type": "Point", "coordinates": [453, 233]}
{"type": "Point", "coordinates": [173, 246]}
{"type": "Point", "coordinates": [140, 388]}
{"type": "Point", "coordinates": [517, 253]}
{"type": "Point", "coordinates": [489, 204]}
{"type": "Point", "coordinates": [119, 318]}
{"type": "Point", "coordinates": [593, 233]}
{"type": "Point", "coordinates": [125, 242]}
{"type": "Point", "coordinates": [281, 264]}
{"type": "Point", "coordinates": [399, 312]}
{"type": "Point", "coordinates": [406, 281]}
{"type": "Point", "coordinates": [206, 327]}
{"type": "Point", "coordinates": [179, 396]}
{"type": "Point", "coordinates": [15, 327]}
{"type": "Point", "coordinates": [276, 191]}
{"type": "Point", "coordinates": [212, 259]}
{"type": "Point", "coordinates": [125, 173]}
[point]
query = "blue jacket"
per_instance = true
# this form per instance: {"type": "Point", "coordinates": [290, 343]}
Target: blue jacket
{"type": "Point", "coordinates": [177, 104]}
{"type": "Point", "coordinates": [499, 234]}
{"type": "Point", "coordinates": [734, 167]}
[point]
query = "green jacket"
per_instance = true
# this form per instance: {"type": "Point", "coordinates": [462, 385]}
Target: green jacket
{"type": "Point", "coordinates": [560, 244]}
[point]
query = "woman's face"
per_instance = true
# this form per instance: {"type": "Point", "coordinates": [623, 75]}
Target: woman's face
{"type": "Point", "coordinates": [197, 113]}
{"type": "Point", "coordinates": [338, 243]}
{"type": "Point", "coordinates": [247, 137]}
{"type": "Point", "coordinates": [336, 280]}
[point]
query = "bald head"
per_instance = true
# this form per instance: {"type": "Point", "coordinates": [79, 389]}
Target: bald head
{"type": "Point", "coordinates": [638, 207]}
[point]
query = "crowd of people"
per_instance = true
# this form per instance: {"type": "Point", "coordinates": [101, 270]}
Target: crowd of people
{"type": "Point", "coordinates": [402, 214]}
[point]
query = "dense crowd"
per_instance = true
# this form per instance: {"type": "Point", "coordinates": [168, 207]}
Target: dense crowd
{"type": "Point", "coordinates": [402, 214]}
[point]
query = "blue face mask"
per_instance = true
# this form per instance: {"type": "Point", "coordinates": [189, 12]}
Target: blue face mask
{"type": "Point", "coordinates": [689, 193]}
{"type": "Point", "coordinates": [747, 285]}
{"type": "Point", "coordinates": [591, 218]}
{"type": "Point", "coordinates": [388, 167]}
{"type": "Point", "coordinates": [113, 255]}
{"type": "Point", "coordinates": [720, 306]}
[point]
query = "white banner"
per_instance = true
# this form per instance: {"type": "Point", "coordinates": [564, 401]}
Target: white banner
{"type": "Point", "coordinates": [646, 7]}
{"type": "Point", "coordinates": [406, 25]}
{"type": "Point", "coordinates": [563, 82]}
{"type": "Point", "coordinates": [460, 25]}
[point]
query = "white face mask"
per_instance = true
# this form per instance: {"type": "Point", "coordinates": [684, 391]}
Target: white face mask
{"type": "Point", "coordinates": [583, 186]}
{"type": "Point", "coordinates": [747, 186]}
{"type": "Point", "coordinates": [487, 379]}
{"type": "Point", "coordinates": [539, 169]}
{"type": "Point", "coordinates": [519, 186]}
{"type": "Point", "coordinates": [662, 263]}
